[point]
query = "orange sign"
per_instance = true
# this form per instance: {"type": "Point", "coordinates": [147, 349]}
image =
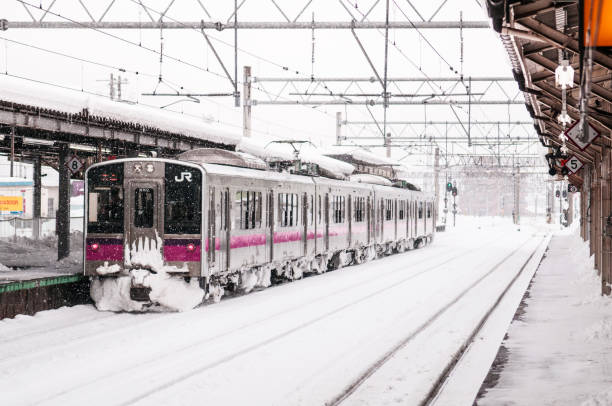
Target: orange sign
{"type": "Point", "coordinates": [11, 204]}
{"type": "Point", "coordinates": [599, 14]}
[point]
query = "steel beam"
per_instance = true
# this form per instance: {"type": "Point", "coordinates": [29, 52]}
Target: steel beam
{"type": "Point", "coordinates": [373, 79]}
{"type": "Point", "coordinates": [374, 102]}
{"type": "Point", "coordinates": [249, 25]}
{"type": "Point", "coordinates": [439, 122]}
{"type": "Point", "coordinates": [564, 41]}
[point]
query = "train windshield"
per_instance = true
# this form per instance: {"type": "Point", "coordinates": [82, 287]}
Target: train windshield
{"type": "Point", "coordinates": [183, 195]}
{"type": "Point", "coordinates": [105, 199]}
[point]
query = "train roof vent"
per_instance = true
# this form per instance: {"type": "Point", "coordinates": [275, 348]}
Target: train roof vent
{"type": "Point", "coordinates": [223, 157]}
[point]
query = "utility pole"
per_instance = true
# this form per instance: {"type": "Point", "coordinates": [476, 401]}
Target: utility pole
{"type": "Point", "coordinates": [338, 127]}
{"type": "Point", "coordinates": [437, 182]}
{"type": "Point", "coordinates": [517, 196]}
{"type": "Point", "coordinates": [446, 198]}
{"type": "Point", "coordinates": [12, 150]}
{"type": "Point", "coordinates": [246, 108]}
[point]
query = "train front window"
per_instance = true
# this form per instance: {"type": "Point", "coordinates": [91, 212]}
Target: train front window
{"type": "Point", "coordinates": [144, 207]}
{"type": "Point", "coordinates": [105, 199]}
{"type": "Point", "coordinates": [183, 200]}
{"type": "Point", "coordinates": [105, 210]}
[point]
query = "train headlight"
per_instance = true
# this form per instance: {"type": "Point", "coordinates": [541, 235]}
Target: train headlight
{"type": "Point", "coordinates": [95, 246]}
{"type": "Point", "coordinates": [150, 167]}
{"type": "Point", "coordinates": [190, 247]}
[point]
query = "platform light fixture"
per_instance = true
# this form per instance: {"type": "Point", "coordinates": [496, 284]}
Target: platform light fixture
{"type": "Point", "coordinates": [564, 75]}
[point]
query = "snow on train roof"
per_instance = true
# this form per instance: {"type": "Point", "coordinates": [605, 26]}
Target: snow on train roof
{"type": "Point", "coordinates": [216, 169]}
{"type": "Point", "coordinates": [373, 179]}
{"type": "Point", "coordinates": [67, 101]}
{"type": "Point", "coordinates": [267, 149]}
{"type": "Point", "coordinates": [362, 155]}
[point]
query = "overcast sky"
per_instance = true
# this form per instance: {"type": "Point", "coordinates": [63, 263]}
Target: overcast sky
{"type": "Point", "coordinates": [269, 52]}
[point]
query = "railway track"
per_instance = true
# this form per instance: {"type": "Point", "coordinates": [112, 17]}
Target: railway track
{"type": "Point", "coordinates": [387, 274]}
{"type": "Point", "coordinates": [439, 382]}
{"type": "Point", "coordinates": [138, 324]}
{"type": "Point", "coordinates": [156, 374]}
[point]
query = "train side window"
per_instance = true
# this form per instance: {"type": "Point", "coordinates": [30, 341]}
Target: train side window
{"type": "Point", "coordinates": [248, 210]}
{"type": "Point", "coordinates": [402, 209]}
{"type": "Point", "coordinates": [428, 210]}
{"type": "Point", "coordinates": [288, 207]}
{"type": "Point", "coordinates": [311, 210]}
{"type": "Point", "coordinates": [339, 208]}
{"type": "Point", "coordinates": [144, 207]}
{"type": "Point", "coordinates": [388, 209]}
{"type": "Point", "coordinates": [319, 216]}
{"type": "Point", "coordinates": [359, 209]}
{"type": "Point", "coordinates": [420, 210]}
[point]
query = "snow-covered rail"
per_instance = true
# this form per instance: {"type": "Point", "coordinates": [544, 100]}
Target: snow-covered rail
{"type": "Point", "coordinates": [428, 323]}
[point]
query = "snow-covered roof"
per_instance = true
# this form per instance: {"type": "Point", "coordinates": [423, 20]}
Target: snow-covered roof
{"type": "Point", "coordinates": [361, 154]}
{"type": "Point", "coordinates": [67, 101]}
{"type": "Point", "coordinates": [223, 157]}
{"type": "Point", "coordinates": [265, 148]}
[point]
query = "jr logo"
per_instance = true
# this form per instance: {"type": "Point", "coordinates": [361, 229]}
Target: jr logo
{"type": "Point", "coordinates": [184, 176]}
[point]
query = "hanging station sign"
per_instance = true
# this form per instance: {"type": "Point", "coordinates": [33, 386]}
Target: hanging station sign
{"type": "Point", "coordinates": [74, 164]}
{"type": "Point", "coordinates": [573, 133]}
{"type": "Point", "coordinates": [573, 164]}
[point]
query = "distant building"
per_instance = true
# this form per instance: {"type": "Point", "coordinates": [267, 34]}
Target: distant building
{"type": "Point", "coordinates": [17, 197]}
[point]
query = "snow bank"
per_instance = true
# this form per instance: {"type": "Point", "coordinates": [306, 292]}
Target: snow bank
{"type": "Point", "coordinates": [147, 271]}
{"type": "Point", "coordinates": [265, 148]}
{"type": "Point", "coordinates": [72, 102]}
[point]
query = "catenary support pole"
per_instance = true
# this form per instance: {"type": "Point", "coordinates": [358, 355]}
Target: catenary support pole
{"type": "Point", "coordinates": [62, 221]}
{"type": "Point", "coordinates": [12, 150]}
{"type": "Point", "coordinates": [246, 102]}
{"type": "Point", "coordinates": [437, 182]}
{"type": "Point", "coordinates": [37, 198]}
{"type": "Point", "coordinates": [606, 208]}
{"type": "Point", "coordinates": [338, 127]}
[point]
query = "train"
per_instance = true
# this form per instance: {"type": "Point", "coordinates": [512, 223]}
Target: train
{"type": "Point", "coordinates": [175, 232]}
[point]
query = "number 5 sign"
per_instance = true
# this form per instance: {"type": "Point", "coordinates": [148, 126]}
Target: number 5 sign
{"type": "Point", "coordinates": [74, 164]}
{"type": "Point", "coordinates": [573, 164]}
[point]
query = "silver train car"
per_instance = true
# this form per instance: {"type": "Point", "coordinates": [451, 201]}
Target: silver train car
{"type": "Point", "coordinates": [228, 227]}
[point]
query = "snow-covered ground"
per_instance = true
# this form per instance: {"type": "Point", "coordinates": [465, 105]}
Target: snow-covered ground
{"type": "Point", "coordinates": [300, 343]}
{"type": "Point", "coordinates": [559, 349]}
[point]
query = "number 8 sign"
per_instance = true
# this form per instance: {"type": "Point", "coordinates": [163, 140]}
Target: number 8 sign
{"type": "Point", "coordinates": [74, 164]}
{"type": "Point", "coordinates": [573, 164]}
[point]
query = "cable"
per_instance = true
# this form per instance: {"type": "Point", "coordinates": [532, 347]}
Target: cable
{"type": "Point", "coordinates": [261, 58]}
{"type": "Point", "coordinates": [425, 38]}
{"type": "Point", "coordinates": [25, 3]}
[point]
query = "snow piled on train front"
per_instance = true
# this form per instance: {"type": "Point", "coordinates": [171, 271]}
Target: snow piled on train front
{"type": "Point", "coordinates": [147, 270]}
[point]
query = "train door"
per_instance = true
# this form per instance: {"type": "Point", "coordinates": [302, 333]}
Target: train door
{"type": "Point", "coordinates": [350, 220]}
{"type": "Point", "coordinates": [212, 230]}
{"type": "Point", "coordinates": [305, 210]}
{"type": "Point", "coordinates": [416, 219]}
{"type": "Point", "coordinates": [326, 221]}
{"type": "Point", "coordinates": [145, 223]}
{"type": "Point", "coordinates": [223, 256]}
{"type": "Point", "coordinates": [369, 220]}
{"type": "Point", "coordinates": [381, 216]}
{"type": "Point", "coordinates": [395, 218]}
{"type": "Point", "coordinates": [270, 226]}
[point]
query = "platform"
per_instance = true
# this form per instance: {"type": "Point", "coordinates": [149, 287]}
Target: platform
{"type": "Point", "coordinates": [557, 349]}
{"type": "Point", "coordinates": [30, 281]}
